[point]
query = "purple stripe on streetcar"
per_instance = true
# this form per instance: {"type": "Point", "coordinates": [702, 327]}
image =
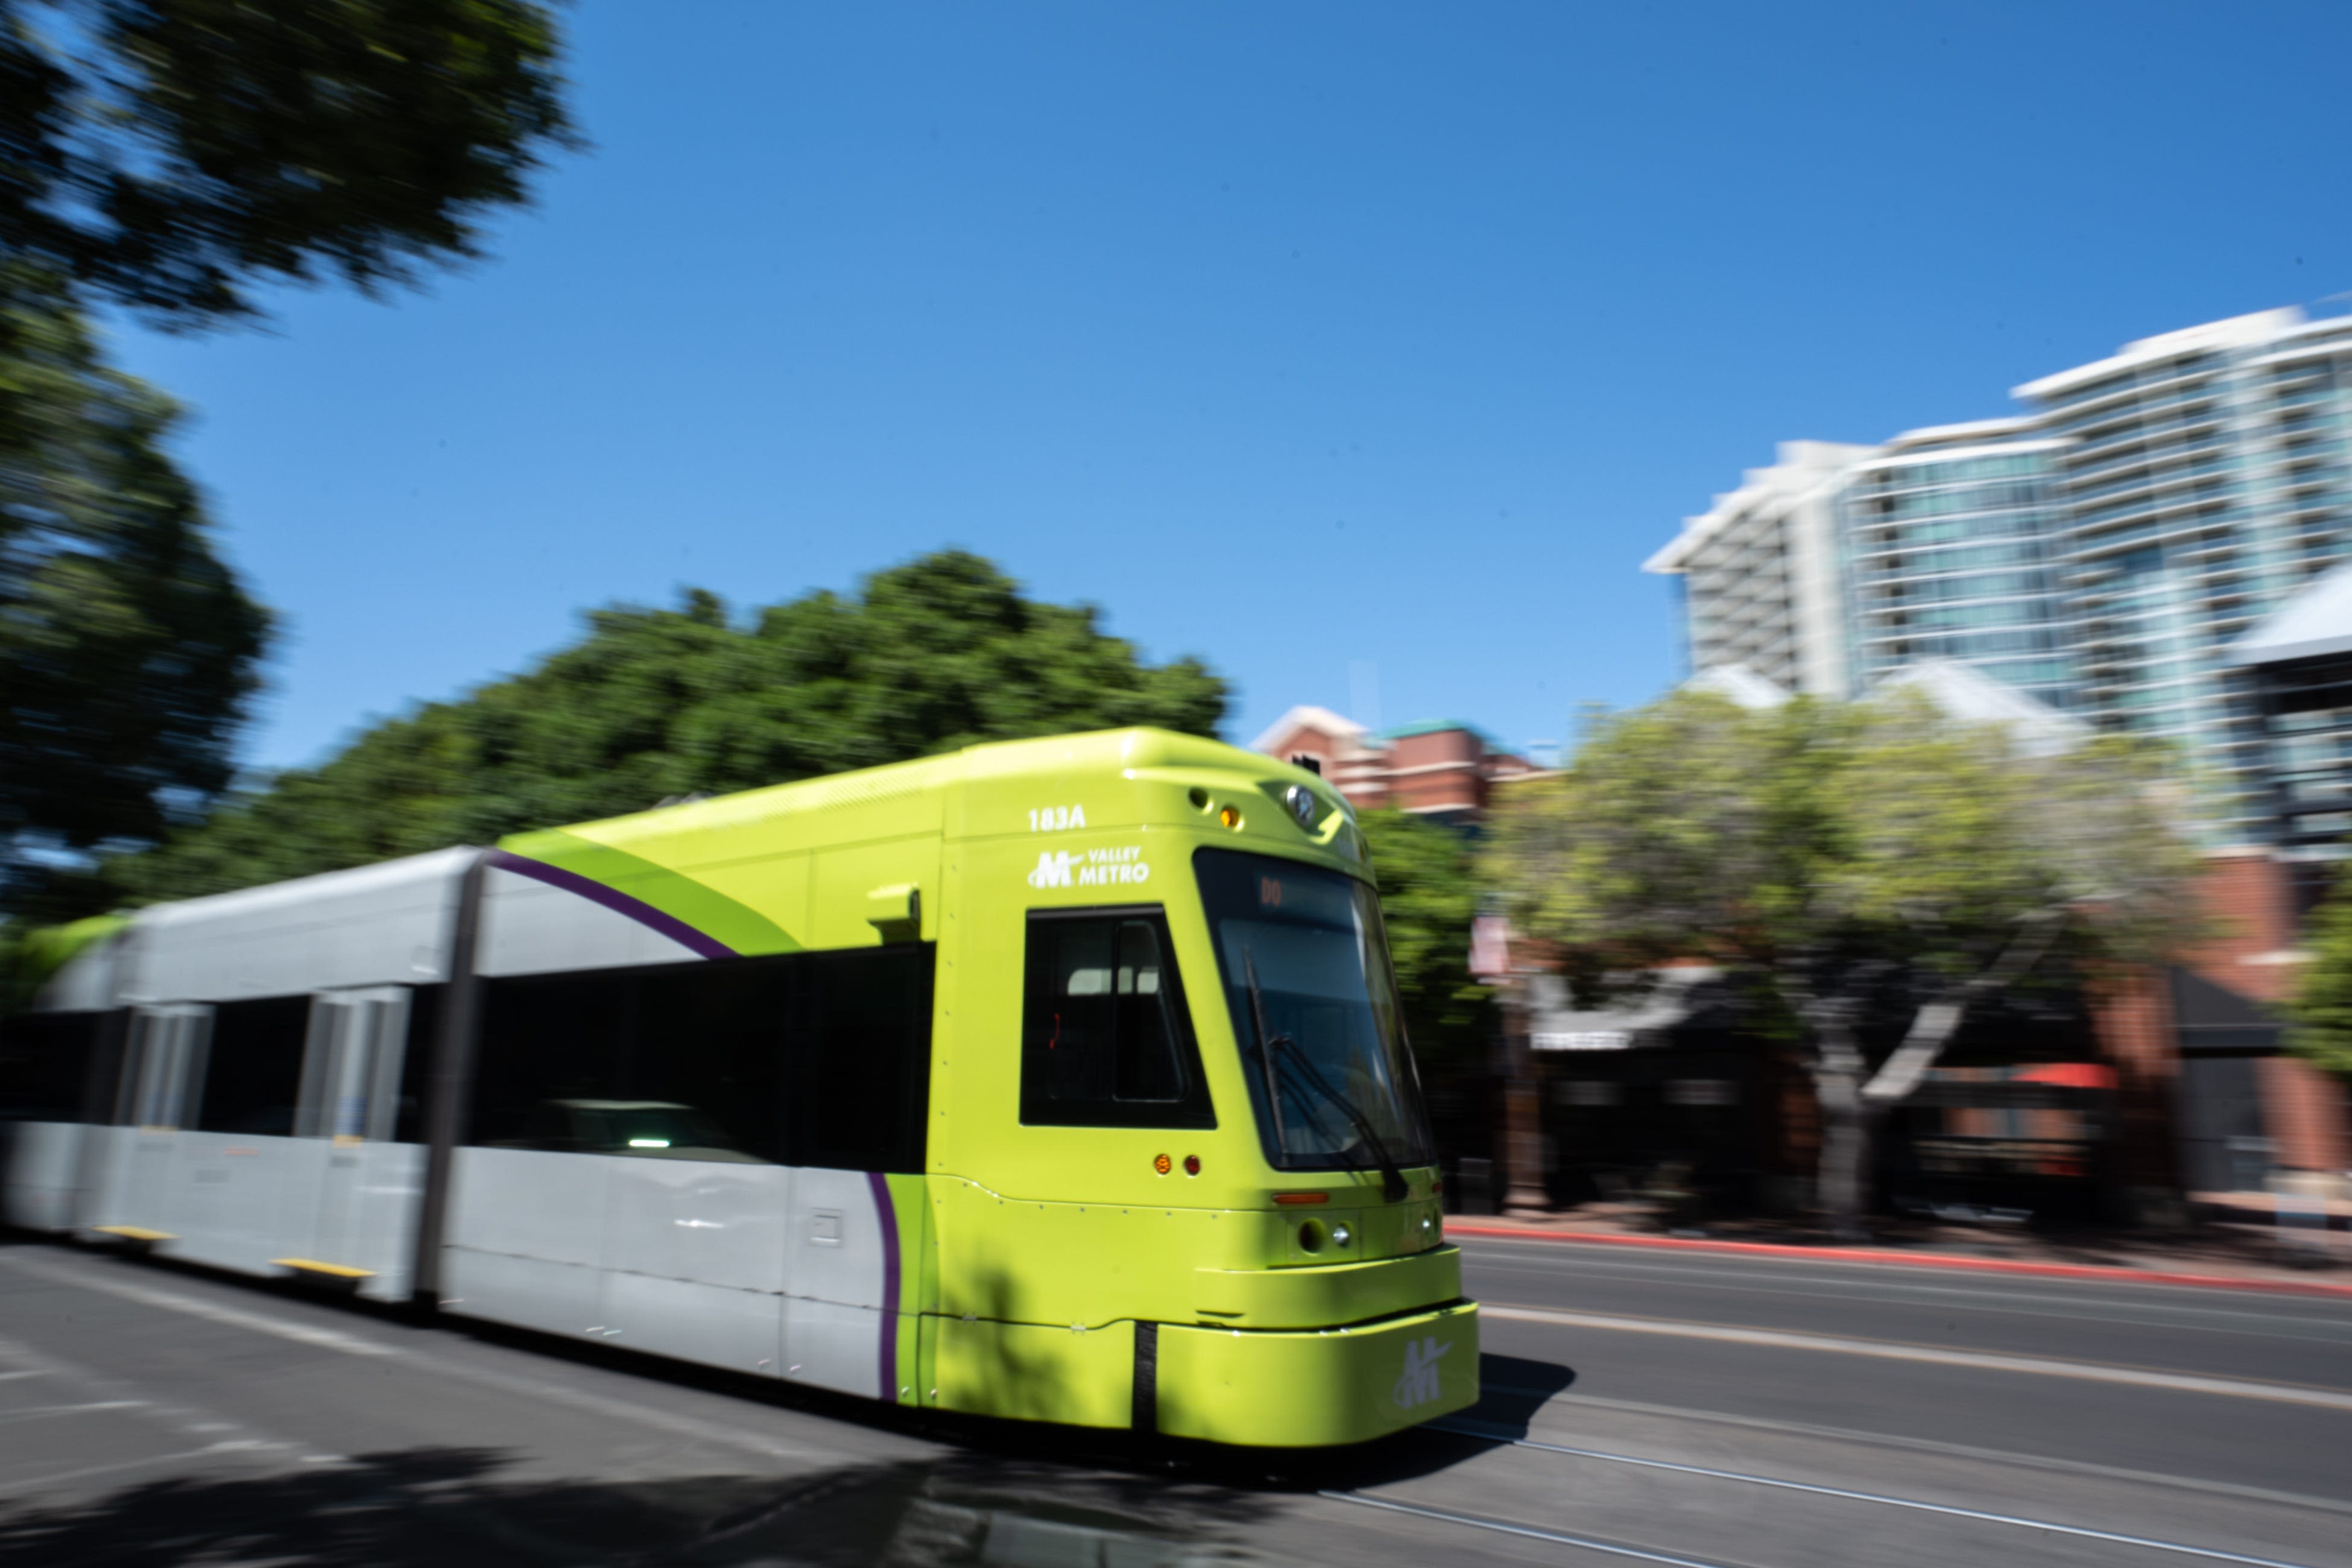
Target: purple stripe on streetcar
{"type": "Point", "coordinates": [889, 1217]}
{"type": "Point", "coordinates": [613, 899]}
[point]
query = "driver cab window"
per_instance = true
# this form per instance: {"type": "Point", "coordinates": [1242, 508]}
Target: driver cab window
{"type": "Point", "coordinates": [1104, 1037]}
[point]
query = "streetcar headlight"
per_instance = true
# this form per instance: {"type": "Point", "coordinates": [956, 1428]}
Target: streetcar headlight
{"type": "Point", "coordinates": [1304, 807]}
{"type": "Point", "coordinates": [1341, 1235]}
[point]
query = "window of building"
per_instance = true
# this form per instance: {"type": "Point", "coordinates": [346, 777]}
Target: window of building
{"type": "Point", "coordinates": [1105, 1040]}
{"type": "Point", "coordinates": [253, 1067]}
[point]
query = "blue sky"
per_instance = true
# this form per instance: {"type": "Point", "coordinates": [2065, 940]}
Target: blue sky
{"type": "Point", "coordinates": [1292, 336]}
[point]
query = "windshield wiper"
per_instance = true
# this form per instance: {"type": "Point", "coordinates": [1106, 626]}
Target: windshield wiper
{"type": "Point", "coordinates": [1266, 1054]}
{"type": "Point", "coordinates": [1393, 1186]}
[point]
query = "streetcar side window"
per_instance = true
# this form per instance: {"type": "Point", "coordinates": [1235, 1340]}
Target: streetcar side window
{"type": "Point", "coordinates": [861, 1068]}
{"type": "Point", "coordinates": [550, 1045]}
{"type": "Point", "coordinates": [416, 1062]}
{"type": "Point", "coordinates": [43, 1059]}
{"type": "Point", "coordinates": [808, 1059]}
{"type": "Point", "coordinates": [713, 1037]}
{"type": "Point", "coordinates": [254, 1069]}
{"type": "Point", "coordinates": [1104, 1040]}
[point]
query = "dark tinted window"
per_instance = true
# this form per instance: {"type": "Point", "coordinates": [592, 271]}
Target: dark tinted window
{"type": "Point", "coordinates": [45, 1065]}
{"type": "Point", "coordinates": [713, 1038]}
{"type": "Point", "coordinates": [416, 1091]}
{"type": "Point", "coordinates": [802, 1060]}
{"type": "Point", "coordinates": [252, 1067]}
{"type": "Point", "coordinates": [1104, 1037]}
{"type": "Point", "coordinates": [549, 1044]}
{"type": "Point", "coordinates": [861, 1077]}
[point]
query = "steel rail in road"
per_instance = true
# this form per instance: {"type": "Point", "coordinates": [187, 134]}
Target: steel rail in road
{"type": "Point", "coordinates": [1479, 1430]}
{"type": "Point", "coordinates": [1504, 1527]}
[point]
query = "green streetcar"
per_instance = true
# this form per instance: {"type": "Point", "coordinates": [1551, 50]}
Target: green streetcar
{"type": "Point", "coordinates": [1060, 1079]}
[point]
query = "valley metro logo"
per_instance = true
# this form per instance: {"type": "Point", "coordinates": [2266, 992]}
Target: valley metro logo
{"type": "Point", "coordinates": [1419, 1385]}
{"type": "Point", "coordinates": [1120, 865]}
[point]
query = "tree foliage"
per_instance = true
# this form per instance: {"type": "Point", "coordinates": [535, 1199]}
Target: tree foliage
{"type": "Point", "coordinates": [652, 704]}
{"type": "Point", "coordinates": [1429, 895]}
{"type": "Point", "coordinates": [164, 153]}
{"type": "Point", "coordinates": [2320, 1016]}
{"type": "Point", "coordinates": [127, 647]}
{"type": "Point", "coordinates": [1697, 827]}
{"type": "Point", "coordinates": [1835, 854]}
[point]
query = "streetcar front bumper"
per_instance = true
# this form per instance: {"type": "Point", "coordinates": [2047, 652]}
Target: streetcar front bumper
{"type": "Point", "coordinates": [1315, 1387]}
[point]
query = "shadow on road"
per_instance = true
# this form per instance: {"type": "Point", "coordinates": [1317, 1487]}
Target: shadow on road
{"type": "Point", "coordinates": [997, 1492]}
{"type": "Point", "coordinates": [443, 1507]}
{"type": "Point", "coordinates": [1512, 1389]}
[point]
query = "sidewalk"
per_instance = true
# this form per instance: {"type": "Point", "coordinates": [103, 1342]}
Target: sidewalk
{"type": "Point", "coordinates": [2245, 1252]}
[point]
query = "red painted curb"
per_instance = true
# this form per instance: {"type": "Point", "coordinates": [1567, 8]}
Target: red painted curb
{"type": "Point", "coordinates": [1910, 1259]}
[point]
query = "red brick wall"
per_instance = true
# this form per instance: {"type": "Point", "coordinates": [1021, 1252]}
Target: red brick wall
{"type": "Point", "coordinates": [2248, 902]}
{"type": "Point", "coordinates": [2302, 1111]}
{"type": "Point", "coordinates": [1438, 770]}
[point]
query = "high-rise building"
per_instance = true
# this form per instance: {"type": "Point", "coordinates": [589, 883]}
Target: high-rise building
{"type": "Point", "coordinates": [1759, 571]}
{"type": "Point", "coordinates": [2096, 552]}
{"type": "Point", "coordinates": [1949, 544]}
{"type": "Point", "coordinates": [2206, 479]}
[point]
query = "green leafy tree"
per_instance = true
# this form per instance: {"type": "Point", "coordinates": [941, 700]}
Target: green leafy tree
{"type": "Point", "coordinates": [656, 704]}
{"type": "Point", "coordinates": [1428, 878]}
{"type": "Point", "coordinates": [165, 153]}
{"type": "Point", "coordinates": [1831, 854]}
{"type": "Point", "coordinates": [127, 647]}
{"type": "Point", "coordinates": [2320, 1016]}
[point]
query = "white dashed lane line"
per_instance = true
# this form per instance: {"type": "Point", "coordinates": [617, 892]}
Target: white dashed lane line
{"type": "Point", "coordinates": [469, 1372]}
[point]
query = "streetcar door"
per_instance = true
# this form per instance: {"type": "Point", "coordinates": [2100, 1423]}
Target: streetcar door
{"type": "Point", "coordinates": [162, 1073]}
{"type": "Point", "coordinates": [351, 1079]}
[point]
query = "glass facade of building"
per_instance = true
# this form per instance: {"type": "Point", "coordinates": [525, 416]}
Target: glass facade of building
{"type": "Point", "coordinates": [1949, 551]}
{"type": "Point", "coordinates": [2098, 554]}
{"type": "Point", "coordinates": [2204, 479]}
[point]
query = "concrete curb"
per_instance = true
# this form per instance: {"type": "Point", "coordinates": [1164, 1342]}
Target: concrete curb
{"type": "Point", "coordinates": [1900, 1260]}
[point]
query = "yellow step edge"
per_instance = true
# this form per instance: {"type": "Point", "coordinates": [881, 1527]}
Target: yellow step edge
{"type": "Point", "coordinates": [134, 1233]}
{"type": "Point", "coordinates": [312, 1266]}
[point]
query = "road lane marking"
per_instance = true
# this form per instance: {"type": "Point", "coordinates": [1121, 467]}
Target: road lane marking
{"type": "Point", "coordinates": [28, 1412]}
{"type": "Point", "coordinates": [1886, 1350]}
{"type": "Point", "coordinates": [2097, 1274]}
{"type": "Point", "coordinates": [328, 1339]}
{"type": "Point", "coordinates": [186, 1420]}
{"type": "Point", "coordinates": [2042, 1525]}
{"type": "Point", "coordinates": [2188, 1316]}
{"type": "Point", "coordinates": [172, 1301]}
{"type": "Point", "coordinates": [243, 1446]}
{"type": "Point", "coordinates": [1364, 1500]}
{"type": "Point", "coordinates": [2014, 1458]}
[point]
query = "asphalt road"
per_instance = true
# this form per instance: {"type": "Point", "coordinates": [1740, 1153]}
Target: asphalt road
{"type": "Point", "coordinates": [1660, 1408]}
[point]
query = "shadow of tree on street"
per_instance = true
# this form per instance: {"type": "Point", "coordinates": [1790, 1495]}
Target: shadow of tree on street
{"type": "Point", "coordinates": [446, 1508]}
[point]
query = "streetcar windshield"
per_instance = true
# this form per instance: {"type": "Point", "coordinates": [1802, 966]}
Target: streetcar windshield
{"type": "Point", "coordinates": [1306, 973]}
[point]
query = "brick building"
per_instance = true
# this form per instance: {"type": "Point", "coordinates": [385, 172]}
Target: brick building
{"type": "Point", "coordinates": [1443, 769]}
